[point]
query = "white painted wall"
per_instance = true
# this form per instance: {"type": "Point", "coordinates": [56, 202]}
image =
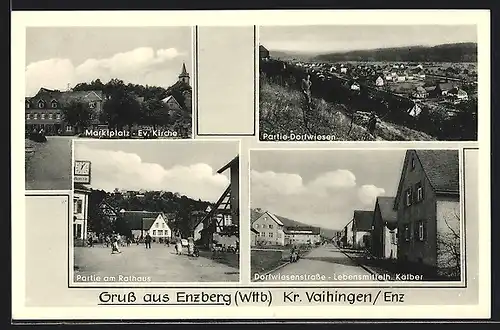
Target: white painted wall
{"type": "Point", "coordinates": [389, 246]}
{"type": "Point", "coordinates": [270, 232]}
{"type": "Point", "coordinates": [160, 228]}
{"type": "Point", "coordinates": [81, 215]}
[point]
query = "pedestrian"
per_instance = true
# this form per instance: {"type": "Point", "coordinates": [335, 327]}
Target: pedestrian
{"type": "Point", "coordinates": [306, 88]}
{"type": "Point", "coordinates": [114, 246]}
{"type": "Point", "coordinates": [147, 240]}
{"type": "Point", "coordinates": [372, 123]}
{"type": "Point", "coordinates": [91, 241]}
{"type": "Point", "coordinates": [293, 254]}
{"type": "Point", "coordinates": [190, 246]}
{"type": "Point", "coordinates": [178, 246]}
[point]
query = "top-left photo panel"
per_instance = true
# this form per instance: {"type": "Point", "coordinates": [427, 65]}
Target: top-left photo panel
{"type": "Point", "coordinates": [102, 83]}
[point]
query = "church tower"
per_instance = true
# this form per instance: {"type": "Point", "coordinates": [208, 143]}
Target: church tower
{"type": "Point", "coordinates": [184, 76]}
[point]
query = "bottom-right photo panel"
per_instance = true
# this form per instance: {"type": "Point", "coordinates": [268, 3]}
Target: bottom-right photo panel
{"type": "Point", "coordinates": [364, 215]}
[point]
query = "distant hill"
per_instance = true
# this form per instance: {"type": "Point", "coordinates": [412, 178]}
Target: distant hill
{"type": "Point", "coordinates": [325, 232]}
{"type": "Point", "coordinates": [457, 52]}
{"type": "Point", "coordinates": [285, 55]}
{"type": "Point", "coordinates": [328, 233]}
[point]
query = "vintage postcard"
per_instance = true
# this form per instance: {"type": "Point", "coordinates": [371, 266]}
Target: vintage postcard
{"type": "Point", "coordinates": [264, 165]}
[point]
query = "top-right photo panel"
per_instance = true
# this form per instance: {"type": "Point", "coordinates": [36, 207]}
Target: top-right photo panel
{"type": "Point", "coordinates": [368, 83]}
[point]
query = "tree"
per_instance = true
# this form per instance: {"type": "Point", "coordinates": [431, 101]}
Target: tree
{"type": "Point", "coordinates": [121, 109]}
{"type": "Point", "coordinates": [155, 113]}
{"type": "Point", "coordinates": [77, 114]}
{"type": "Point", "coordinates": [98, 222]}
{"type": "Point", "coordinates": [448, 244]}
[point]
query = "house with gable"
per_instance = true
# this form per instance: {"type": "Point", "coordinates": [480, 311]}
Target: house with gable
{"type": "Point", "coordinates": [428, 212]}
{"type": "Point", "coordinates": [379, 82]}
{"type": "Point", "coordinates": [385, 228]}
{"type": "Point", "coordinates": [297, 235]}
{"type": "Point", "coordinates": [414, 110]}
{"type": "Point", "coordinates": [270, 228]}
{"type": "Point", "coordinates": [419, 93]}
{"type": "Point", "coordinates": [172, 104]}
{"type": "Point", "coordinates": [458, 94]}
{"type": "Point", "coordinates": [45, 110]}
{"type": "Point", "coordinates": [263, 52]}
{"type": "Point", "coordinates": [442, 89]}
{"type": "Point", "coordinates": [361, 229]}
{"type": "Point", "coordinates": [143, 222]}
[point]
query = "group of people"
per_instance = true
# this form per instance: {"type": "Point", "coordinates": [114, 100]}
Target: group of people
{"type": "Point", "coordinates": [306, 85]}
{"type": "Point", "coordinates": [192, 249]}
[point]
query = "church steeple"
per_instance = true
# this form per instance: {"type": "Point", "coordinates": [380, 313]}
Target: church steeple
{"type": "Point", "coordinates": [184, 76]}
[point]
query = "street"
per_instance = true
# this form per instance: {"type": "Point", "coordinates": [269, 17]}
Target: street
{"type": "Point", "coordinates": [48, 166]}
{"type": "Point", "coordinates": [325, 260]}
{"type": "Point", "coordinates": [160, 263]}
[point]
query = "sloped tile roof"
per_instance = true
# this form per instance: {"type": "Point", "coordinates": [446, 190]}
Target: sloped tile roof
{"type": "Point", "coordinates": [147, 223]}
{"type": "Point", "coordinates": [441, 168]}
{"type": "Point", "coordinates": [135, 219]}
{"type": "Point", "coordinates": [387, 212]}
{"type": "Point", "coordinates": [363, 220]}
{"type": "Point", "coordinates": [47, 95]}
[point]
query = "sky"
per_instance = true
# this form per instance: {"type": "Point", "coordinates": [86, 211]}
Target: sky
{"type": "Point", "coordinates": [341, 38]}
{"type": "Point", "coordinates": [187, 167]}
{"type": "Point", "coordinates": [322, 187]}
{"type": "Point", "coordinates": [58, 56]}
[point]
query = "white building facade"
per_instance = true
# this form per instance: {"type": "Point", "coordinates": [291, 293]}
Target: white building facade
{"type": "Point", "coordinates": [80, 213]}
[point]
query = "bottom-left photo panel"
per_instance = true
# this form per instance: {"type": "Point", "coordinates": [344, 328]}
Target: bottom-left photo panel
{"type": "Point", "coordinates": [154, 212]}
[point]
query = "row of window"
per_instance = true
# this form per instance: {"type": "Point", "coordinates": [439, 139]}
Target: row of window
{"type": "Point", "coordinates": [157, 225]}
{"type": "Point", "coordinates": [54, 104]}
{"type": "Point", "coordinates": [270, 234]}
{"type": "Point", "coordinates": [43, 116]}
{"type": "Point", "coordinates": [419, 234]}
{"type": "Point", "coordinates": [160, 232]}
{"type": "Point", "coordinates": [414, 194]}
{"type": "Point", "coordinates": [256, 226]}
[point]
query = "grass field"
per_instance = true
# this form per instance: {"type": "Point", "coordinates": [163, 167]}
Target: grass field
{"type": "Point", "coordinates": [281, 112]}
{"type": "Point", "coordinates": [228, 259]}
{"type": "Point", "coordinates": [266, 258]}
{"type": "Point", "coordinates": [264, 261]}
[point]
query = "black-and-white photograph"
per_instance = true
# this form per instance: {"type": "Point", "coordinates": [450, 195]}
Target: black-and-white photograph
{"type": "Point", "coordinates": [356, 215]}
{"type": "Point", "coordinates": [105, 83]}
{"type": "Point", "coordinates": [156, 211]}
{"type": "Point", "coordinates": [368, 83]}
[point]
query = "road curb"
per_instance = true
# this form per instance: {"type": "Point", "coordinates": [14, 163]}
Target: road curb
{"type": "Point", "coordinates": [372, 272]}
